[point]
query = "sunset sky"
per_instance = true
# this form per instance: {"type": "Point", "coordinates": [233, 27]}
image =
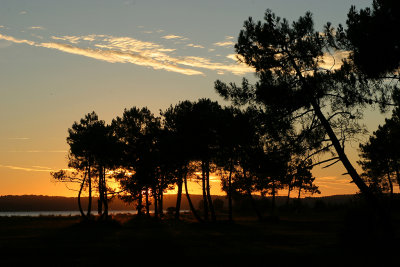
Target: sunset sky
{"type": "Point", "coordinates": [62, 59]}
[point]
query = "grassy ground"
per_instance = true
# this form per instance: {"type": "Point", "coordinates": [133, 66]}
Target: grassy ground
{"type": "Point", "coordinates": [313, 239]}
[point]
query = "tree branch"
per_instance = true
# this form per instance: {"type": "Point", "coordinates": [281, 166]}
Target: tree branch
{"type": "Point", "coordinates": [327, 160]}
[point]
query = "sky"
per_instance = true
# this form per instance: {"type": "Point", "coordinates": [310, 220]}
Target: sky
{"type": "Point", "coordinates": [60, 60]}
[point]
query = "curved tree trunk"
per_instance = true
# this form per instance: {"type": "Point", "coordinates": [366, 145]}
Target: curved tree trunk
{"type": "Point", "coordinates": [371, 198]}
{"type": "Point", "coordinates": [79, 197]}
{"type": "Point", "coordinates": [198, 218]}
{"type": "Point", "coordinates": [342, 156]}
{"type": "Point", "coordinates": [365, 190]}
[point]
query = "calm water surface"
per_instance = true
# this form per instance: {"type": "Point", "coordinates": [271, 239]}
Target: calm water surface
{"type": "Point", "coordinates": [63, 213]}
{"type": "Point", "coordinates": [56, 213]}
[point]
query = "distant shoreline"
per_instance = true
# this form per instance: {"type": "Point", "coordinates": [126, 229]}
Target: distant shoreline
{"type": "Point", "coordinates": [28, 203]}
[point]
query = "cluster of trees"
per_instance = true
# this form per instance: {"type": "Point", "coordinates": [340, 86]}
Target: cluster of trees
{"type": "Point", "coordinates": [298, 109]}
{"type": "Point", "coordinates": [148, 155]}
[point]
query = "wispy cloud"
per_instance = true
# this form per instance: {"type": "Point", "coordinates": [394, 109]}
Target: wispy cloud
{"type": "Point", "coordinates": [172, 36]}
{"type": "Point", "coordinates": [120, 57]}
{"type": "Point", "coordinates": [200, 62]}
{"type": "Point", "coordinates": [71, 39]}
{"type": "Point", "coordinates": [18, 138]}
{"type": "Point", "coordinates": [232, 56]}
{"type": "Point", "coordinates": [224, 43]}
{"type": "Point", "coordinates": [195, 46]}
{"type": "Point", "coordinates": [130, 50]}
{"type": "Point", "coordinates": [23, 12]}
{"type": "Point", "coordinates": [334, 183]}
{"type": "Point", "coordinates": [29, 169]}
{"type": "Point", "coordinates": [329, 180]}
{"type": "Point", "coordinates": [38, 151]}
{"type": "Point", "coordinates": [15, 40]}
{"type": "Point", "coordinates": [36, 28]}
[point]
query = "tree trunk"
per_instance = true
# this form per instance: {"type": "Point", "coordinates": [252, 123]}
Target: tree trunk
{"type": "Point", "coordinates": [342, 156]}
{"type": "Point", "coordinates": [230, 213]}
{"type": "Point", "coordinates": [273, 198]}
{"type": "Point", "coordinates": [79, 197]}
{"type": "Point", "coordinates": [161, 197]}
{"type": "Point", "coordinates": [298, 197]}
{"type": "Point", "coordinates": [155, 203]}
{"type": "Point", "coordinates": [139, 206]}
{"type": "Point", "coordinates": [365, 190]}
{"type": "Point", "coordinates": [90, 193]}
{"type": "Point", "coordinates": [105, 196]}
{"type": "Point", "coordinates": [161, 203]}
{"type": "Point", "coordinates": [390, 186]}
{"type": "Point", "coordinates": [178, 198]}
{"type": "Point", "coordinates": [147, 202]}
{"type": "Point", "coordinates": [252, 201]}
{"type": "Point", "coordinates": [210, 203]}
{"type": "Point", "coordinates": [288, 195]}
{"type": "Point", "coordinates": [100, 200]}
{"type": "Point", "coordinates": [203, 180]}
{"type": "Point", "coordinates": [198, 218]}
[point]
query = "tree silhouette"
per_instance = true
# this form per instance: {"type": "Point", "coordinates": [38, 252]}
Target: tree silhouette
{"type": "Point", "coordinates": [83, 141]}
{"type": "Point", "coordinates": [372, 36]}
{"type": "Point", "coordinates": [206, 117]}
{"type": "Point", "coordinates": [381, 155]}
{"type": "Point", "coordinates": [92, 150]}
{"type": "Point", "coordinates": [177, 123]}
{"type": "Point", "coordinates": [138, 131]}
{"type": "Point", "coordinates": [196, 127]}
{"type": "Point", "coordinates": [293, 84]}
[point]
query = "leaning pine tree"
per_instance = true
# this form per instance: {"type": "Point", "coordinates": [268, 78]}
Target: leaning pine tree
{"type": "Point", "coordinates": [296, 82]}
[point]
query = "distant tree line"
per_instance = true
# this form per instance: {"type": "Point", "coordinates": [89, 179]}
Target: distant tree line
{"type": "Point", "coordinates": [276, 129]}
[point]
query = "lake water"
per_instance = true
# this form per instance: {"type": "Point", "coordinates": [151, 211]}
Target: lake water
{"type": "Point", "coordinates": [63, 213]}
{"type": "Point", "coordinates": [56, 213]}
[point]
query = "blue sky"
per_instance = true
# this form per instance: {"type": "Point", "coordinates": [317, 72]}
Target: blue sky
{"type": "Point", "coordinates": [62, 59]}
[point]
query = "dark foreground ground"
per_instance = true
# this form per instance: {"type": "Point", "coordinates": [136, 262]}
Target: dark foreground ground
{"type": "Point", "coordinates": [312, 239]}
